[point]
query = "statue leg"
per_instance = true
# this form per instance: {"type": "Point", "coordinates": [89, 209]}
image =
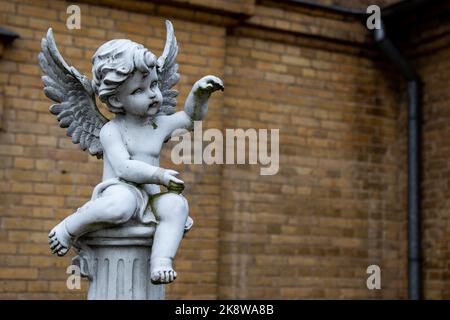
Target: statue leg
{"type": "Point", "coordinates": [172, 211]}
{"type": "Point", "coordinates": [116, 206]}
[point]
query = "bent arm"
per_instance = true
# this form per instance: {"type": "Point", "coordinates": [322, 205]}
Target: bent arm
{"type": "Point", "coordinates": [196, 105]}
{"type": "Point", "coordinates": [178, 120]}
{"type": "Point", "coordinates": [195, 109]}
{"type": "Point", "coordinates": [125, 168]}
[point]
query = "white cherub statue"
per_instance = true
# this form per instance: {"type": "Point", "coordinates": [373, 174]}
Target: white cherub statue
{"type": "Point", "coordinates": [137, 87]}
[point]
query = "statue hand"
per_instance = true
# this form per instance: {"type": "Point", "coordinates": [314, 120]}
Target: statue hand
{"type": "Point", "coordinates": [208, 85]}
{"type": "Point", "coordinates": [170, 176]}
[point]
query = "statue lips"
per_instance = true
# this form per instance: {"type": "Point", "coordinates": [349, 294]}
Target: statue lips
{"type": "Point", "coordinates": [153, 107]}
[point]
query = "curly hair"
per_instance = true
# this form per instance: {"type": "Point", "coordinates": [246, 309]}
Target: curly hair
{"type": "Point", "coordinates": [114, 62]}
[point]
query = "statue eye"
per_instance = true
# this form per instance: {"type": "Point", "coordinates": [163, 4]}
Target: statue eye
{"type": "Point", "coordinates": [138, 90]}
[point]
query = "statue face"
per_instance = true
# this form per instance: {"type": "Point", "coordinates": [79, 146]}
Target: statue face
{"type": "Point", "coordinates": [140, 95]}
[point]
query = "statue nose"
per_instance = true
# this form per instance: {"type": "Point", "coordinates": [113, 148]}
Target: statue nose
{"type": "Point", "coordinates": [151, 94]}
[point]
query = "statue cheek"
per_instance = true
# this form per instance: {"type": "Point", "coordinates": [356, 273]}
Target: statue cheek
{"type": "Point", "coordinates": [129, 99]}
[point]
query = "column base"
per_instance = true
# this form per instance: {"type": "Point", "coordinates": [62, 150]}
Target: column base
{"type": "Point", "coordinates": [117, 263]}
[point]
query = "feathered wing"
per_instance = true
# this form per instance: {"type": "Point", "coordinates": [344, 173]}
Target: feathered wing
{"type": "Point", "coordinates": [75, 106]}
{"type": "Point", "coordinates": [168, 75]}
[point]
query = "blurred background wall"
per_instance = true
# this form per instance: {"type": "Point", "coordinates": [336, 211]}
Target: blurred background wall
{"type": "Point", "coordinates": [338, 202]}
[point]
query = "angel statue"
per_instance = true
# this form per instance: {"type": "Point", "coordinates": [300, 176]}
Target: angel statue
{"type": "Point", "coordinates": [137, 87]}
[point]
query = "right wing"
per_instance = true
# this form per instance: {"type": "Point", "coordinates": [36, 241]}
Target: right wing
{"type": "Point", "coordinates": [75, 106]}
{"type": "Point", "coordinates": [168, 71]}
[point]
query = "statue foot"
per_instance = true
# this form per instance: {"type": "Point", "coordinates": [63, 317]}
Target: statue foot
{"type": "Point", "coordinates": [59, 240]}
{"type": "Point", "coordinates": [162, 271]}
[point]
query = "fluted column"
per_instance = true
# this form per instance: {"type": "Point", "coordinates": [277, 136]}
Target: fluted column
{"type": "Point", "coordinates": [117, 263]}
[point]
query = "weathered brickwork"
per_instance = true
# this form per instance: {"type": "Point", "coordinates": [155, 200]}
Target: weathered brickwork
{"type": "Point", "coordinates": [337, 204]}
{"type": "Point", "coordinates": [333, 209]}
{"type": "Point", "coordinates": [432, 59]}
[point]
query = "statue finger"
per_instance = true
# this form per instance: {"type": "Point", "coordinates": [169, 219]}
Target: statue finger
{"type": "Point", "coordinates": [55, 249]}
{"type": "Point", "coordinates": [206, 86]}
{"type": "Point", "coordinates": [62, 252]}
{"type": "Point", "coordinates": [173, 172]}
{"type": "Point", "coordinates": [220, 84]}
{"type": "Point", "coordinates": [176, 180]}
{"type": "Point", "coordinates": [216, 83]}
{"type": "Point", "coordinates": [54, 245]}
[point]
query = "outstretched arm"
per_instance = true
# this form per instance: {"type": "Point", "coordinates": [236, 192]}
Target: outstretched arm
{"type": "Point", "coordinates": [131, 170]}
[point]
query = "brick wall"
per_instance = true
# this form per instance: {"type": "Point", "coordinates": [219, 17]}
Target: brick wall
{"type": "Point", "coordinates": [431, 56]}
{"type": "Point", "coordinates": [333, 208]}
{"type": "Point", "coordinates": [436, 170]}
{"type": "Point", "coordinates": [337, 204]}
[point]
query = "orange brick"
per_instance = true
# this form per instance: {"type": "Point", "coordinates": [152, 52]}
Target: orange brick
{"type": "Point", "coordinates": [24, 163]}
{"type": "Point", "coordinates": [18, 273]}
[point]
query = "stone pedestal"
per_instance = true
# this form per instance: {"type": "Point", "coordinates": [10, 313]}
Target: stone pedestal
{"type": "Point", "coordinates": [117, 263]}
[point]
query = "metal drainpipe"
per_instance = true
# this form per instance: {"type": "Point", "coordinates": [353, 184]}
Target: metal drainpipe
{"type": "Point", "coordinates": [414, 239]}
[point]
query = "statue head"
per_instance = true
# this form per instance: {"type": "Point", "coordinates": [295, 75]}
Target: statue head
{"type": "Point", "coordinates": [121, 70]}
